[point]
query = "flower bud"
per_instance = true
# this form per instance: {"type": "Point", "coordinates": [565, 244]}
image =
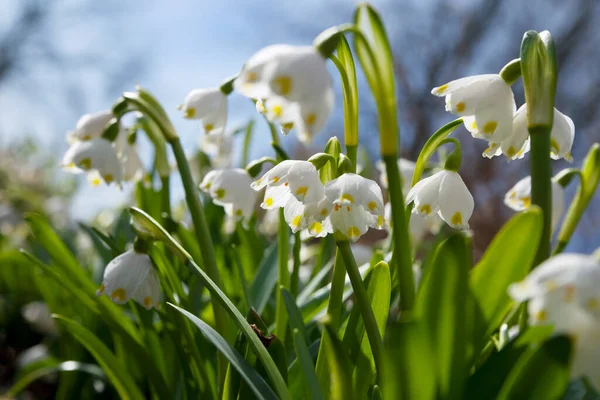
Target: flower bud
{"type": "Point", "coordinates": [538, 66]}
{"type": "Point", "coordinates": [319, 160]}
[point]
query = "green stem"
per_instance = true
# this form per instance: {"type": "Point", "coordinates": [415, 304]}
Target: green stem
{"type": "Point", "coordinates": [247, 140]}
{"type": "Point", "coordinates": [401, 257]}
{"type": "Point", "coordinates": [295, 282]}
{"type": "Point", "coordinates": [204, 242]}
{"type": "Point", "coordinates": [283, 276]}
{"type": "Point", "coordinates": [362, 301]}
{"type": "Point", "coordinates": [541, 186]}
{"type": "Point", "coordinates": [351, 153]}
{"type": "Point", "coordinates": [334, 312]}
{"type": "Point", "coordinates": [165, 201]}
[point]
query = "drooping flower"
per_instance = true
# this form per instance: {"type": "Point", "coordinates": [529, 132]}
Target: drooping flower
{"type": "Point", "coordinates": [407, 170]}
{"type": "Point", "coordinates": [133, 168]}
{"type": "Point", "coordinates": [486, 103]}
{"type": "Point", "coordinates": [517, 144]}
{"type": "Point", "coordinates": [131, 275]}
{"type": "Point", "coordinates": [295, 186]}
{"type": "Point", "coordinates": [218, 147]}
{"type": "Point", "coordinates": [292, 85]}
{"type": "Point", "coordinates": [519, 198]}
{"type": "Point", "coordinates": [231, 189]}
{"type": "Point", "coordinates": [444, 193]}
{"type": "Point", "coordinates": [96, 154]}
{"type": "Point", "coordinates": [357, 205]}
{"type": "Point", "coordinates": [91, 126]}
{"type": "Point", "coordinates": [208, 105]}
{"type": "Point", "coordinates": [563, 292]}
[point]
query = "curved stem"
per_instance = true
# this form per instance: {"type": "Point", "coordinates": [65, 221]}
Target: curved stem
{"type": "Point", "coordinates": [541, 186]}
{"type": "Point", "coordinates": [402, 255]}
{"type": "Point", "coordinates": [362, 301]}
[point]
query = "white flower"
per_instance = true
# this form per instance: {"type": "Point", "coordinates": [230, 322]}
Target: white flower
{"type": "Point", "coordinates": [357, 205]}
{"type": "Point", "coordinates": [39, 316]}
{"type": "Point", "coordinates": [219, 148]}
{"type": "Point", "coordinates": [231, 189]}
{"type": "Point", "coordinates": [407, 170]}
{"type": "Point", "coordinates": [131, 275]}
{"type": "Point", "coordinates": [517, 144]}
{"type": "Point", "coordinates": [208, 105]}
{"type": "Point", "coordinates": [519, 198]}
{"type": "Point", "coordinates": [295, 186]}
{"type": "Point", "coordinates": [485, 102]}
{"type": "Point", "coordinates": [418, 226]}
{"type": "Point", "coordinates": [444, 193]}
{"type": "Point", "coordinates": [563, 292]}
{"type": "Point", "coordinates": [133, 168]}
{"type": "Point", "coordinates": [293, 86]}
{"type": "Point", "coordinates": [91, 126]}
{"type": "Point", "coordinates": [269, 224]}
{"type": "Point", "coordinates": [95, 154]}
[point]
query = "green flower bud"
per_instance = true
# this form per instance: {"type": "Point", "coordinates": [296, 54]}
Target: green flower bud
{"type": "Point", "coordinates": [255, 166]}
{"type": "Point", "coordinates": [319, 160]}
{"type": "Point", "coordinates": [538, 66]}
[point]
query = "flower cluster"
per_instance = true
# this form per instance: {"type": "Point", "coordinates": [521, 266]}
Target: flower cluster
{"type": "Point", "coordinates": [100, 158]}
{"type": "Point", "coordinates": [487, 106]}
{"type": "Point", "coordinates": [563, 292]}
{"type": "Point", "coordinates": [349, 204]}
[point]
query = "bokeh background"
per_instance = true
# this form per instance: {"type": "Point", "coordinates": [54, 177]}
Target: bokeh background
{"type": "Point", "coordinates": [60, 59]}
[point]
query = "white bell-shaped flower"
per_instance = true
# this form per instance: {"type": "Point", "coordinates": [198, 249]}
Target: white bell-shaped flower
{"type": "Point", "coordinates": [133, 168]}
{"type": "Point", "coordinates": [231, 189]}
{"type": "Point", "coordinates": [485, 101]}
{"type": "Point", "coordinates": [96, 154]}
{"type": "Point", "coordinates": [293, 86]}
{"type": "Point", "coordinates": [208, 105]}
{"type": "Point", "coordinates": [218, 147]}
{"type": "Point", "coordinates": [519, 198]}
{"type": "Point", "coordinates": [444, 193]}
{"type": "Point", "coordinates": [518, 143]}
{"type": "Point", "coordinates": [563, 292]}
{"type": "Point", "coordinates": [357, 205]}
{"type": "Point", "coordinates": [91, 126]}
{"type": "Point", "coordinates": [407, 170]}
{"type": "Point", "coordinates": [131, 275]}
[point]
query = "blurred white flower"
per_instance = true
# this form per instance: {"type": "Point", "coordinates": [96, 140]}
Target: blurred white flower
{"type": "Point", "coordinates": [95, 154]}
{"type": "Point", "coordinates": [269, 223]}
{"type": "Point", "coordinates": [133, 168]}
{"type": "Point", "coordinates": [563, 292]}
{"type": "Point", "coordinates": [293, 86]}
{"type": "Point", "coordinates": [517, 144]}
{"type": "Point", "coordinates": [91, 126]}
{"type": "Point", "coordinates": [131, 275]}
{"type": "Point", "coordinates": [486, 103]}
{"type": "Point", "coordinates": [519, 198]}
{"type": "Point", "coordinates": [208, 105]}
{"type": "Point", "coordinates": [218, 147]}
{"type": "Point", "coordinates": [357, 205]}
{"type": "Point", "coordinates": [231, 189]}
{"type": "Point", "coordinates": [444, 193]}
{"type": "Point", "coordinates": [407, 170]}
{"type": "Point", "coordinates": [38, 315]}
{"type": "Point", "coordinates": [418, 226]}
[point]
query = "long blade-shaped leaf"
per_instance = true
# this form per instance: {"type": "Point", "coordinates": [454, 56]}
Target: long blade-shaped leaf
{"type": "Point", "coordinates": [442, 306]}
{"type": "Point", "coordinates": [111, 365]}
{"type": "Point", "coordinates": [252, 378]}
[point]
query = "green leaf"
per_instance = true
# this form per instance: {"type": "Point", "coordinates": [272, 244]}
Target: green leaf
{"type": "Point", "coordinates": [379, 286]}
{"type": "Point", "coordinates": [265, 280]}
{"type": "Point", "coordinates": [42, 369]}
{"type": "Point", "coordinates": [442, 304]}
{"type": "Point", "coordinates": [111, 365]}
{"type": "Point", "coordinates": [541, 373]}
{"type": "Point", "coordinates": [296, 375]}
{"type": "Point", "coordinates": [252, 378]}
{"type": "Point", "coordinates": [431, 146]}
{"type": "Point", "coordinates": [340, 378]}
{"type": "Point", "coordinates": [227, 305]}
{"type": "Point", "coordinates": [312, 383]}
{"type": "Point", "coordinates": [294, 315]}
{"type": "Point", "coordinates": [507, 260]}
{"type": "Point", "coordinates": [409, 371]}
